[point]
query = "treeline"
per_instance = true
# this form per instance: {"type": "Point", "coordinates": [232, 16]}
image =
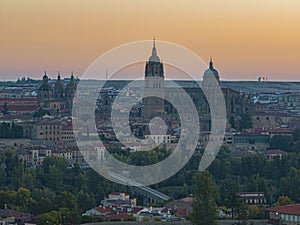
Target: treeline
{"type": "Point", "coordinates": [279, 177]}
{"type": "Point", "coordinates": [289, 143]}
{"type": "Point", "coordinates": [54, 192]}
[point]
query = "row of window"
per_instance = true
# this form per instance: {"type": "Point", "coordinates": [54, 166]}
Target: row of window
{"type": "Point", "coordinates": [51, 127]}
{"type": "Point", "coordinates": [293, 218]}
{"type": "Point", "coordinates": [50, 132]}
{"type": "Point", "coordinates": [52, 139]}
{"type": "Point", "coordinates": [68, 138]}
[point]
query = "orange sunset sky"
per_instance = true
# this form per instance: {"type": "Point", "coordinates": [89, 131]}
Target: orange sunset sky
{"type": "Point", "coordinates": [247, 38]}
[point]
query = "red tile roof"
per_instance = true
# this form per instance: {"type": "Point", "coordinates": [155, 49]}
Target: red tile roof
{"type": "Point", "coordinates": [287, 209]}
{"type": "Point", "coordinates": [18, 99]}
{"type": "Point", "coordinates": [104, 210]}
{"type": "Point", "coordinates": [276, 152]}
{"type": "Point", "coordinates": [24, 108]}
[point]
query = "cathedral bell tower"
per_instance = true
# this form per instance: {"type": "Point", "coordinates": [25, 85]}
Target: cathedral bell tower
{"type": "Point", "coordinates": [154, 86]}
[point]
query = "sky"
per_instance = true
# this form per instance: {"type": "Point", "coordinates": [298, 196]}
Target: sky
{"type": "Point", "coordinates": [247, 38]}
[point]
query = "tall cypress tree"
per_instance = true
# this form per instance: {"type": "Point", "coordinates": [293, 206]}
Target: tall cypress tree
{"type": "Point", "coordinates": [205, 193]}
{"type": "Point", "coordinates": [5, 109]}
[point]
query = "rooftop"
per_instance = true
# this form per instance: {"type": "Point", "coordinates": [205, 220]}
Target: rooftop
{"type": "Point", "coordinates": [287, 209]}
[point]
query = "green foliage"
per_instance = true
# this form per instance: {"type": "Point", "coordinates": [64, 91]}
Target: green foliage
{"type": "Point", "coordinates": [205, 194]}
{"type": "Point", "coordinates": [52, 217]}
{"type": "Point", "coordinates": [66, 191]}
{"type": "Point", "coordinates": [232, 122]}
{"type": "Point", "coordinates": [290, 185]}
{"type": "Point", "coordinates": [283, 142]}
{"type": "Point", "coordinates": [5, 109]}
{"type": "Point", "coordinates": [41, 112]}
{"type": "Point", "coordinates": [296, 134]}
{"type": "Point", "coordinates": [283, 200]}
{"type": "Point", "coordinates": [85, 200]}
{"type": "Point", "coordinates": [24, 199]}
{"type": "Point", "coordinates": [245, 121]}
{"type": "Point", "coordinates": [253, 212]}
{"type": "Point", "coordinates": [140, 158]}
{"type": "Point", "coordinates": [67, 200]}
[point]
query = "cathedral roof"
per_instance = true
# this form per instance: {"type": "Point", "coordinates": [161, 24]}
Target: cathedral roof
{"type": "Point", "coordinates": [45, 75]}
{"type": "Point", "coordinates": [211, 71]}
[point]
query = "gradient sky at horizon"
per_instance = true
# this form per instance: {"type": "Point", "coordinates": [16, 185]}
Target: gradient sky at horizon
{"type": "Point", "coordinates": [247, 39]}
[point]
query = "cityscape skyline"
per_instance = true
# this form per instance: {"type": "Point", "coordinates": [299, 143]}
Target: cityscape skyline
{"type": "Point", "coordinates": [247, 39]}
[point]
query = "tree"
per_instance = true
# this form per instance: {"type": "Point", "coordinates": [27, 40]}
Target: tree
{"type": "Point", "coordinates": [253, 211]}
{"type": "Point", "coordinates": [5, 109]}
{"type": "Point", "coordinates": [245, 121]}
{"type": "Point", "coordinates": [296, 134]}
{"type": "Point", "coordinates": [283, 200]}
{"type": "Point", "coordinates": [283, 142]}
{"type": "Point", "coordinates": [205, 194]}
{"type": "Point", "coordinates": [23, 199]}
{"type": "Point", "coordinates": [41, 112]}
{"type": "Point", "coordinates": [52, 217]}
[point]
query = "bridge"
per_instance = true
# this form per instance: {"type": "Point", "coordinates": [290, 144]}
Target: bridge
{"type": "Point", "coordinates": [150, 195]}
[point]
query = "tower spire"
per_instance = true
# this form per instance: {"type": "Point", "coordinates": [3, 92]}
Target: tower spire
{"type": "Point", "coordinates": [154, 57]}
{"type": "Point", "coordinates": [211, 64]}
{"type": "Point", "coordinates": [58, 75]}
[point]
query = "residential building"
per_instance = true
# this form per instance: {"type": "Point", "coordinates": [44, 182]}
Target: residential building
{"type": "Point", "coordinates": [285, 214]}
{"type": "Point", "coordinates": [253, 198]}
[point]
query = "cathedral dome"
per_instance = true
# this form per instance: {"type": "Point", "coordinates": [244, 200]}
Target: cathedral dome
{"type": "Point", "coordinates": [211, 71]}
{"type": "Point", "coordinates": [45, 77]}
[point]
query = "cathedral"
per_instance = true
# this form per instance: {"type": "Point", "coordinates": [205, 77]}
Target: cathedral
{"type": "Point", "coordinates": [157, 89]}
{"type": "Point", "coordinates": [57, 97]}
{"type": "Point", "coordinates": [237, 104]}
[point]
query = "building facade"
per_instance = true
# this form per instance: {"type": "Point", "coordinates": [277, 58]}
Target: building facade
{"type": "Point", "coordinates": [57, 97]}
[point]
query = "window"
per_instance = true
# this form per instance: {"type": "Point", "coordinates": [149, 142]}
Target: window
{"type": "Point", "coordinates": [286, 217]}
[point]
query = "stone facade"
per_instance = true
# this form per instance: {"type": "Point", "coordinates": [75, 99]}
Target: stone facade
{"type": "Point", "coordinates": [57, 97]}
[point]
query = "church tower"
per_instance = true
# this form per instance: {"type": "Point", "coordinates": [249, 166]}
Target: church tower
{"type": "Point", "coordinates": [45, 92]}
{"type": "Point", "coordinates": [59, 88]}
{"type": "Point", "coordinates": [154, 86]}
{"type": "Point", "coordinates": [70, 91]}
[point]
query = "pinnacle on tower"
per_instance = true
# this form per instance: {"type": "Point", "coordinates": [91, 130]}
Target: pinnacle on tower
{"type": "Point", "coordinates": [154, 57]}
{"type": "Point", "coordinates": [211, 64]}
